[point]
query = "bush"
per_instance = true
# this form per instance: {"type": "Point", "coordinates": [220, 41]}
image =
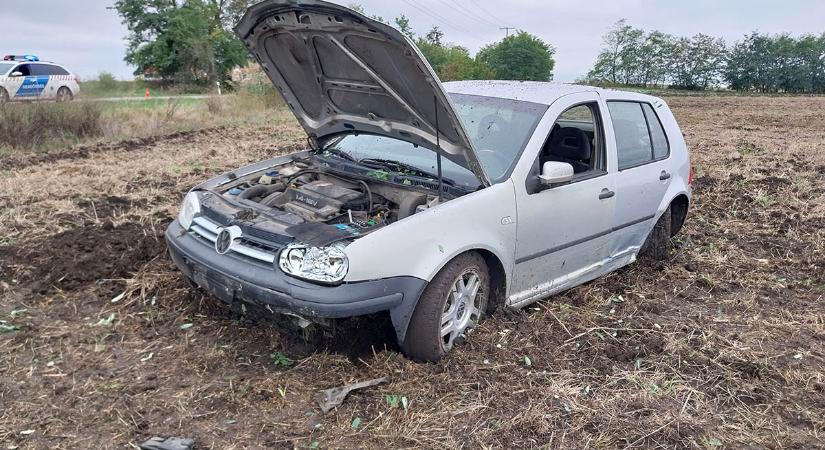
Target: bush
{"type": "Point", "coordinates": [29, 126]}
{"type": "Point", "coordinates": [107, 81]}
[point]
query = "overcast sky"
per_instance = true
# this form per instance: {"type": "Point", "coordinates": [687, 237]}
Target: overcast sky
{"type": "Point", "coordinates": [89, 38]}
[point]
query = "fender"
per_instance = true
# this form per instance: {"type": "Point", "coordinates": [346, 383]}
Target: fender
{"type": "Point", "coordinates": [420, 245]}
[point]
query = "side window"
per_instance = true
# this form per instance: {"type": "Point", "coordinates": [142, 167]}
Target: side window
{"type": "Point", "coordinates": [39, 69]}
{"type": "Point", "coordinates": [46, 70]}
{"type": "Point", "coordinates": [577, 139]}
{"type": "Point", "coordinates": [25, 69]}
{"type": "Point", "coordinates": [661, 148]}
{"type": "Point", "coordinates": [633, 142]}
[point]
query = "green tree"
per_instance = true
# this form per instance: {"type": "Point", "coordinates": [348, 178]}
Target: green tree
{"type": "Point", "coordinates": [521, 56]}
{"type": "Point", "coordinates": [402, 23]}
{"type": "Point", "coordinates": [183, 40]}
{"type": "Point", "coordinates": [698, 62]}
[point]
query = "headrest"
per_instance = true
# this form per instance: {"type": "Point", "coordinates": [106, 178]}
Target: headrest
{"type": "Point", "coordinates": [570, 143]}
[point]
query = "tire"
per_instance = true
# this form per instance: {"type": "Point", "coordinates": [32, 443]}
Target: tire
{"type": "Point", "coordinates": [658, 243]}
{"type": "Point", "coordinates": [64, 94]}
{"type": "Point", "coordinates": [4, 96]}
{"type": "Point", "coordinates": [425, 340]}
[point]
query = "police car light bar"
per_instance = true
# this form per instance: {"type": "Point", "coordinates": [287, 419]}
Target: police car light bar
{"type": "Point", "coordinates": [30, 58]}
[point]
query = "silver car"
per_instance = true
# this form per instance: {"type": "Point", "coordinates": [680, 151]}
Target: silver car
{"type": "Point", "coordinates": [437, 203]}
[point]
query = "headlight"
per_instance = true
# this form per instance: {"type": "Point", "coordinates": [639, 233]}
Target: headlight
{"type": "Point", "coordinates": [324, 264]}
{"type": "Point", "coordinates": [190, 208]}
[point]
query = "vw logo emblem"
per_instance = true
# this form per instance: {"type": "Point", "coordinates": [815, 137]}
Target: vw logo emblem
{"type": "Point", "coordinates": [224, 240]}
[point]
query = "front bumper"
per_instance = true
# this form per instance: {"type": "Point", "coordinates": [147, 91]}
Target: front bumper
{"type": "Point", "coordinates": [235, 279]}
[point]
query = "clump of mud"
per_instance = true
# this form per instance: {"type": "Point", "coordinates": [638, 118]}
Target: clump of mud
{"type": "Point", "coordinates": [75, 258]}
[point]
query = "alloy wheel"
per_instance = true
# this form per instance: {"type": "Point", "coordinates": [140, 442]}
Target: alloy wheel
{"type": "Point", "coordinates": [463, 308]}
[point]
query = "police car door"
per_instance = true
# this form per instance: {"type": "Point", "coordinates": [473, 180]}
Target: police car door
{"type": "Point", "coordinates": [12, 84]}
{"type": "Point", "coordinates": [33, 84]}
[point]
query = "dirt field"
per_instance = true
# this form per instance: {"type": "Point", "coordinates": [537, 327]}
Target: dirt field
{"type": "Point", "coordinates": [724, 346]}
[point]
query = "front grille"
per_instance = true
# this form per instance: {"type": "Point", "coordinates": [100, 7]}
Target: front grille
{"type": "Point", "coordinates": [207, 230]}
{"type": "Point", "coordinates": [215, 216]}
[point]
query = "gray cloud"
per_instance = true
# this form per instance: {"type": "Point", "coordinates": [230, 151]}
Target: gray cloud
{"type": "Point", "coordinates": [89, 38]}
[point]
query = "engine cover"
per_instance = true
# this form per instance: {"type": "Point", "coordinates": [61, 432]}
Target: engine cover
{"type": "Point", "coordinates": [318, 200]}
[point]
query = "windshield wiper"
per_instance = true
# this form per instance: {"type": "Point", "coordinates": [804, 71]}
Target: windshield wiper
{"type": "Point", "coordinates": [401, 168]}
{"type": "Point", "coordinates": [336, 152]}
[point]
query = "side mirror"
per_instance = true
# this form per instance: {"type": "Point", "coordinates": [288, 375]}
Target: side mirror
{"type": "Point", "coordinates": [16, 74]}
{"type": "Point", "coordinates": [555, 173]}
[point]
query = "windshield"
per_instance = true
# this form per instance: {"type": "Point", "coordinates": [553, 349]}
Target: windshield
{"type": "Point", "coordinates": [5, 67]}
{"type": "Point", "coordinates": [499, 129]}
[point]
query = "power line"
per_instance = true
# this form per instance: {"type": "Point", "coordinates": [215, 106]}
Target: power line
{"type": "Point", "coordinates": [440, 19]}
{"type": "Point", "coordinates": [468, 14]}
{"type": "Point", "coordinates": [484, 10]}
{"type": "Point", "coordinates": [507, 29]}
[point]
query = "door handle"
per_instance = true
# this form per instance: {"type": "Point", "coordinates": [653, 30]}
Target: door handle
{"type": "Point", "coordinates": [606, 194]}
{"type": "Point", "coordinates": [664, 176]}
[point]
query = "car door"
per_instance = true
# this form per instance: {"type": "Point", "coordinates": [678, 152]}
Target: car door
{"type": "Point", "coordinates": [642, 180]}
{"type": "Point", "coordinates": [564, 232]}
{"type": "Point", "coordinates": [12, 84]}
{"type": "Point", "coordinates": [33, 85]}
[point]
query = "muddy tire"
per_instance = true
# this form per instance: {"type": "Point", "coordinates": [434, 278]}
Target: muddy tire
{"type": "Point", "coordinates": [4, 96]}
{"type": "Point", "coordinates": [454, 301]}
{"type": "Point", "coordinates": [658, 244]}
{"type": "Point", "coordinates": [64, 95]}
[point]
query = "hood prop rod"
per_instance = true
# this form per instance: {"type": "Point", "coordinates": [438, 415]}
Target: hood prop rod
{"type": "Point", "coordinates": [438, 149]}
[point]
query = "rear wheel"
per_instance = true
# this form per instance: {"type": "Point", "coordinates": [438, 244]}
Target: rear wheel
{"type": "Point", "coordinates": [659, 243]}
{"type": "Point", "coordinates": [64, 94]}
{"type": "Point", "coordinates": [453, 303]}
{"type": "Point", "coordinates": [4, 96]}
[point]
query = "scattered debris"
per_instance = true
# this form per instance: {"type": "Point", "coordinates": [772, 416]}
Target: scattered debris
{"type": "Point", "coordinates": [172, 443]}
{"type": "Point", "coordinates": [331, 398]}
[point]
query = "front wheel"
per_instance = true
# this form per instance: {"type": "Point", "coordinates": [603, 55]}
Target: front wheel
{"type": "Point", "coordinates": [4, 96]}
{"type": "Point", "coordinates": [64, 94]}
{"type": "Point", "coordinates": [453, 303]}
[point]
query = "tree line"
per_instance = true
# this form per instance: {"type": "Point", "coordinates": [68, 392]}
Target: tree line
{"type": "Point", "coordinates": [521, 56]}
{"type": "Point", "coordinates": [191, 42]}
{"type": "Point", "coordinates": [759, 62]}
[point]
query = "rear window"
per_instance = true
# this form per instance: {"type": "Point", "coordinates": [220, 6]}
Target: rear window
{"type": "Point", "coordinates": [47, 70]}
{"type": "Point", "coordinates": [640, 137]}
{"type": "Point", "coordinates": [661, 148]}
{"type": "Point", "coordinates": [632, 137]}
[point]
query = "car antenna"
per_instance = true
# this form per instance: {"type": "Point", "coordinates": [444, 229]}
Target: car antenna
{"type": "Point", "coordinates": [438, 149]}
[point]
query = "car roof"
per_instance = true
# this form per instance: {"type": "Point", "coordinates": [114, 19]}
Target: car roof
{"type": "Point", "coordinates": [536, 91]}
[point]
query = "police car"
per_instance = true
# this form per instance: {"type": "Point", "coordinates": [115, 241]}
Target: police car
{"type": "Point", "coordinates": [27, 78]}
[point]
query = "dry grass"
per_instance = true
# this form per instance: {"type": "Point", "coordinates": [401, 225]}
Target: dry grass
{"type": "Point", "coordinates": [49, 127]}
{"type": "Point", "coordinates": [29, 126]}
{"type": "Point", "coordinates": [723, 346]}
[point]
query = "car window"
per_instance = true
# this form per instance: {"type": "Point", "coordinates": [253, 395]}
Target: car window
{"type": "Point", "coordinates": [5, 68]}
{"type": "Point", "coordinates": [661, 148]}
{"type": "Point", "coordinates": [24, 69]}
{"type": "Point", "coordinates": [576, 139]}
{"type": "Point", "coordinates": [48, 69]}
{"type": "Point", "coordinates": [368, 146]}
{"type": "Point", "coordinates": [499, 129]}
{"type": "Point", "coordinates": [633, 143]}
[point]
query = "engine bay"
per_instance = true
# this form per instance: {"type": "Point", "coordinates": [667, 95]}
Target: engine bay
{"type": "Point", "coordinates": [306, 192]}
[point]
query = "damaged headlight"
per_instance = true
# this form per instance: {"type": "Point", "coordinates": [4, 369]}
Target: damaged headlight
{"type": "Point", "coordinates": [323, 264]}
{"type": "Point", "coordinates": [190, 208]}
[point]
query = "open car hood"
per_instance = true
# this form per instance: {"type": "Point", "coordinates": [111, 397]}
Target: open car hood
{"type": "Point", "coordinates": [341, 72]}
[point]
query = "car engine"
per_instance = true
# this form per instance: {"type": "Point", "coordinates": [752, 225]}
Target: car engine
{"type": "Point", "coordinates": [301, 192]}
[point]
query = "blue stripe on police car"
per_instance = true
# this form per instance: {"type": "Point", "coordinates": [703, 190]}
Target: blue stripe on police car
{"type": "Point", "coordinates": [32, 86]}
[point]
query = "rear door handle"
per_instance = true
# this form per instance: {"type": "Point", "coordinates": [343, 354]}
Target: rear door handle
{"type": "Point", "coordinates": [606, 194]}
{"type": "Point", "coordinates": [664, 176]}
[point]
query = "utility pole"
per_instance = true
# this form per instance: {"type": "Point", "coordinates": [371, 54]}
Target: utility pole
{"type": "Point", "coordinates": [507, 29]}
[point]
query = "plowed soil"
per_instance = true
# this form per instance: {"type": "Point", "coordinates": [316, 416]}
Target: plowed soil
{"type": "Point", "coordinates": [103, 344]}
